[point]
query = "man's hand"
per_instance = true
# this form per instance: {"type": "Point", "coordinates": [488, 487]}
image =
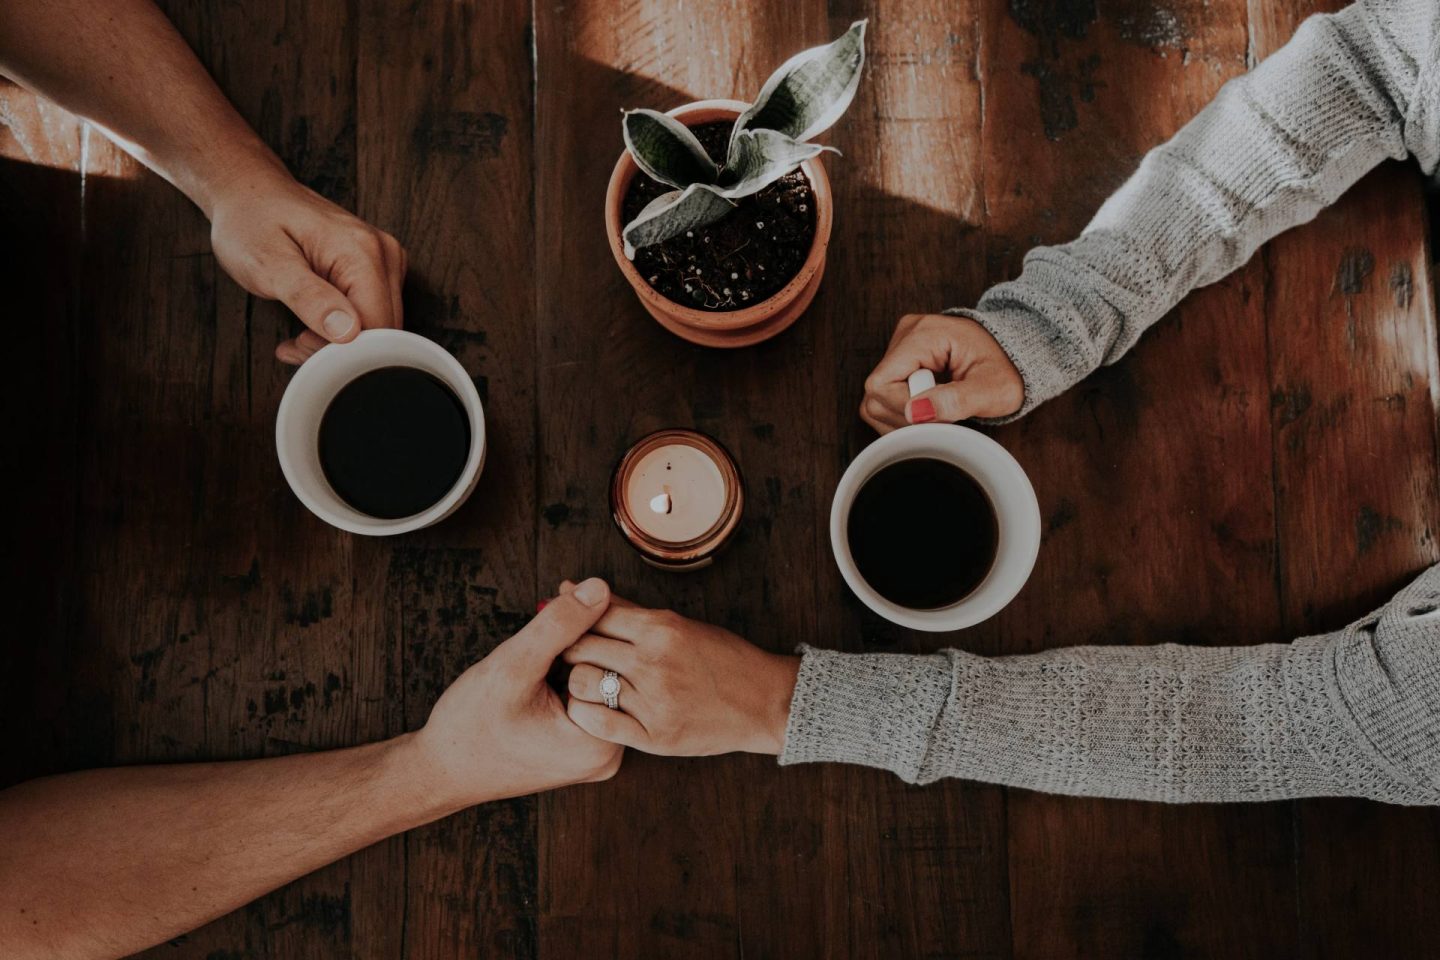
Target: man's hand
{"type": "Point", "coordinates": [686, 688]}
{"type": "Point", "coordinates": [282, 241]}
{"type": "Point", "coordinates": [983, 381]}
{"type": "Point", "coordinates": [500, 731]}
{"type": "Point", "coordinates": [123, 66]}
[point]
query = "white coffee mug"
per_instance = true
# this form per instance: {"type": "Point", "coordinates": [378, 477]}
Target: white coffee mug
{"type": "Point", "coordinates": [315, 384]}
{"type": "Point", "coordinates": [1017, 515]}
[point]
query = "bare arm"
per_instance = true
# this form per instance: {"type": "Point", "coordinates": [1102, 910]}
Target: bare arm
{"type": "Point", "coordinates": [122, 65]}
{"type": "Point", "coordinates": [103, 862]}
{"type": "Point", "coordinates": [106, 862]}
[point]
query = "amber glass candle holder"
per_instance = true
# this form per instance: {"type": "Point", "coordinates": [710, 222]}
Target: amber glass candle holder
{"type": "Point", "coordinates": [677, 497]}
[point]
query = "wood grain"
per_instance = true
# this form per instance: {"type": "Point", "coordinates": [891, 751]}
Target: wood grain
{"type": "Point", "coordinates": [1352, 347]}
{"type": "Point", "coordinates": [40, 184]}
{"type": "Point", "coordinates": [1158, 456]}
{"type": "Point", "coordinates": [1350, 320]}
{"type": "Point", "coordinates": [914, 872]}
{"type": "Point", "coordinates": [1262, 465]}
{"type": "Point", "coordinates": [678, 862]}
{"type": "Point", "coordinates": [444, 107]}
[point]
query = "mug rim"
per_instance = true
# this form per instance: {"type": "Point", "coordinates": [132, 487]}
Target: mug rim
{"type": "Point", "coordinates": [1019, 524]}
{"type": "Point", "coordinates": [334, 355]}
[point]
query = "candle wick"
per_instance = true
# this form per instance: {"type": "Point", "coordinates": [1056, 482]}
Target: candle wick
{"type": "Point", "coordinates": [661, 502]}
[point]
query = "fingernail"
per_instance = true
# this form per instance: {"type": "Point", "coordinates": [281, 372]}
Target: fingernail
{"type": "Point", "coordinates": [541, 605]}
{"type": "Point", "coordinates": [922, 410]}
{"type": "Point", "coordinates": [337, 324]}
{"type": "Point", "coordinates": [590, 592]}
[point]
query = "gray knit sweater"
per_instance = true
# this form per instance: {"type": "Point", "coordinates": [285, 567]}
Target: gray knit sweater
{"type": "Point", "coordinates": [1354, 713]}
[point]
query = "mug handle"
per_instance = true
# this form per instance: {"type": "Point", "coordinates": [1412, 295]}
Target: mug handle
{"type": "Point", "coordinates": [920, 381]}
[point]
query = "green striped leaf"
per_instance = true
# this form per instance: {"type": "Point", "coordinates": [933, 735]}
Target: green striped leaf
{"type": "Point", "coordinates": [760, 158]}
{"type": "Point", "coordinates": [673, 214]}
{"type": "Point", "coordinates": [809, 92]}
{"type": "Point", "coordinates": [666, 149]}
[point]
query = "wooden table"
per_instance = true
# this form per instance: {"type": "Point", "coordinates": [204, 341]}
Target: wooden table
{"type": "Point", "coordinates": [1262, 465]}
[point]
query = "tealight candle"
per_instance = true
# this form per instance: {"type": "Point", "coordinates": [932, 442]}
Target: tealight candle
{"type": "Point", "coordinates": [676, 497]}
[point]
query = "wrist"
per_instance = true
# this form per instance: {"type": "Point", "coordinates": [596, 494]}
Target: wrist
{"type": "Point", "coordinates": [246, 170]}
{"type": "Point", "coordinates": [419, 783]}
{"type": "Point", "coordinates": [777, 686]}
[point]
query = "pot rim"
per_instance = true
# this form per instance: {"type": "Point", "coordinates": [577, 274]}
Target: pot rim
{"type": "Point", "coordinates": [727, 321]}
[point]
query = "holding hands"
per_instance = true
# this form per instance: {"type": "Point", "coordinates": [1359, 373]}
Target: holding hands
{"type": "Point", "coordinates": [983, 380]}
{"type": "Point", "coordinates": [686, 688]}
{"type": "Point", "coordinates": [500, 730]}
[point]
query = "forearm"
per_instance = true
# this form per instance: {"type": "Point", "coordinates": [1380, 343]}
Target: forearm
{"type": "Point", "coordinates": [105, 862]}
{"type": "Point", "coordinates": [1275, 147]}
{"type": "Point", "coordinates": [1344, 714]}
{"type": "Point", "coordinates": [122, 65]}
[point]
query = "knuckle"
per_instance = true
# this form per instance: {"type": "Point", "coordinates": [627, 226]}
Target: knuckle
{"type": "Point", "coordinates": [874, 407]}
{"type": "Point", "coordinates": [576, 683]}
{"type": "Point", "coordinates": [667, 623]}
{"type": "Point", "coordinates": [368, 243]}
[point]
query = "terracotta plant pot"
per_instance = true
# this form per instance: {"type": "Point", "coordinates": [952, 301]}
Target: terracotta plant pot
{"type": "Point", "coordinates": [729, 328]}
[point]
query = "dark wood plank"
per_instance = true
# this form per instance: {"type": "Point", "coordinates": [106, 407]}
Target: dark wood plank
{"type": "Point", "coordinates": [914, 871]}
{"type": "Point", "coordinates": [191, 608]}
{"type": "Point", "coordinates": [1350, 314]}
{"type": "Point", "coordinates": [41, 152]}
{"type": "Point", "coordinates": [1351, 318]}
{"type": "Point", "coordinates": [217, 619]}
{"type": "Point", "coordinates": [700, 858]}
{"type": "Point", "coordinates": [445, 163]}
{"type": "Point", "coordinates": [1146, 473]}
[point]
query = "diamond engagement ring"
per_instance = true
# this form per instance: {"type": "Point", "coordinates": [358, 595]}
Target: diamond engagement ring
{"type": "Point", "coordinates": [610, 689]}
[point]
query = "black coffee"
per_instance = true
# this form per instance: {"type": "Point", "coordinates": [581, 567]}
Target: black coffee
{"type": "Point", "coordinates": [394, 441]}
{"type": "Point", "coordinates": [923, 533]}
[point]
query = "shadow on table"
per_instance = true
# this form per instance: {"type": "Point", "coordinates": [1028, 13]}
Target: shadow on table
{"type": "Point", "coordinates": [40, 253]}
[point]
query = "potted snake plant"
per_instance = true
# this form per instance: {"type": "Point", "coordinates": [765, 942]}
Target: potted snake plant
{"type": "Point", "coordinates": [719, 212]}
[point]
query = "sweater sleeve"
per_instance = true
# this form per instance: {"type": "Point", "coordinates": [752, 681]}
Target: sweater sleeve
{"type": "Point", "coordinates": [1274, 147]}
{"type": "Point", "coordinates": [1352, 713]}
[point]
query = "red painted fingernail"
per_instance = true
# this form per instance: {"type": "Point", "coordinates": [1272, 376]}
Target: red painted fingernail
{"type": "Point", "coordinates": [541, 605]}
{"type": "Point", "coordinates": [922, 410]}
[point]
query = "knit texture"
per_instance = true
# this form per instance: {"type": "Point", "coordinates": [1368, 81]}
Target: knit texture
{"type": "Point", "coordinates": [1351, 713]}
{"type": "Point", "coordinates": [1277, 144]}
{"type": "Point", "coordinates": [1354, 713]}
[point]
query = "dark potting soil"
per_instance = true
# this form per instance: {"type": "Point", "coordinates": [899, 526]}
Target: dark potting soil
{"type": "Point", "coordinates": [739, 260]}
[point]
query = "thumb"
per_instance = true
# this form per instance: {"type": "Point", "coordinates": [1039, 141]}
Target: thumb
{"type": "Point", "coordinates": [559, 624]}
{"type": "Point", "coordinates": [615, 599]}
{"type": "Point", "coordinates": [319, 305]}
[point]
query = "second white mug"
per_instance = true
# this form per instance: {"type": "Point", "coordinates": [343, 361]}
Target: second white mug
{"type": "Point", "coordinates": [1004, 482]}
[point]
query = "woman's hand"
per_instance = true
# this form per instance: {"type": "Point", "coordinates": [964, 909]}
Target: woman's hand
{"type": "Point", "coordinates": [282, 241]}
{"type": "Point", "coordinates": [500, 730]}
{"type": "Point", "coordinates": [983, 381]}
{"type": "Point", "coordinates": [686, 688]}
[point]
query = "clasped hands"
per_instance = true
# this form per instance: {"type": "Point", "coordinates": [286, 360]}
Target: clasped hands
{"type": "Point", "coordinates": [500, 730]}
